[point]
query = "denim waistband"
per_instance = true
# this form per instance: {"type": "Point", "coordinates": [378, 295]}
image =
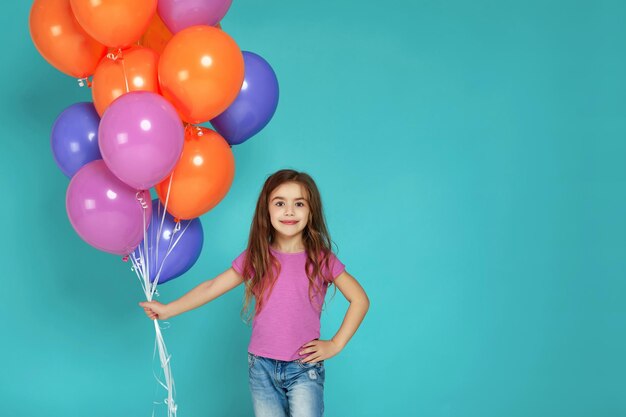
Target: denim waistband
{"type": "Point", "coordinates": [274, 360]}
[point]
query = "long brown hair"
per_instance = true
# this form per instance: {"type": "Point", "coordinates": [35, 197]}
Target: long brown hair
{"type": "Point", "coordinates": [261, 268]}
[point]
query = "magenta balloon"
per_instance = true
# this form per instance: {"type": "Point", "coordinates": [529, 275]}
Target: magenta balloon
{"type": "Point", "coordinates": [180, 14]}
{"type": "Point", "coordinates": [141, 138]}
{"type": "Point", "coordinates": [104, 211]}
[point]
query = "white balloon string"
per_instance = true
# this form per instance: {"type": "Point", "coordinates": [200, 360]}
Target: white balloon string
{"type": "Point", "coordinates": [167, 199]}
{"type": "Point", "coordinates": [157, 377]}
{"type": "Point", "coordinates": [158, 274]}
{"type": "Point", "coordinates": [177, 228]}
{"type": "Point", "coordinates": [141, 268]}
{"type": "Point", "coordinates": [138, 264]}
{"type": "Point", "coordinates": [152, 248]}
{"type": "Point", "coordinates": [144, 254]}
{"type": "Point", "coordinates": [114, 56]}
{"type": "Point", "coordinates": [144, 273]}
{"type": "Point", "coordinates": [171, 246]}
{"type": "Point", "coordinates": [137, 269]}
{"type": "Point", "coordinates": [125, 76]}
{"type": "Point", "coordinates": [171, 239]}
{"type": "Point", "coordinates": [167, 371]}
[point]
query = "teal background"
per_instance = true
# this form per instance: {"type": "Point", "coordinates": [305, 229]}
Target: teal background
{"type": "Point", "coordinates": [472, 162]}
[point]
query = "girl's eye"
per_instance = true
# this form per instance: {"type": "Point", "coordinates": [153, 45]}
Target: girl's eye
{"type": "Point", "coordinates": [282, 203]}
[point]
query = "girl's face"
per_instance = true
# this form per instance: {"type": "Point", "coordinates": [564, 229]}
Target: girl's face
{"type": "Point", "coordinates": [289, 209]}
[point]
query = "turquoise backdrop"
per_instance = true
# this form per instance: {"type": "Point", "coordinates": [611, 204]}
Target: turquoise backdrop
{"type": "Point", "coordinates": [472, 161]}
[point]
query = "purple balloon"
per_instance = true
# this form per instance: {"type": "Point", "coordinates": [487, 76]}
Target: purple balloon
{"type": "Point", "coordinates": [180, 14]}
{"type": "Point", "coordinates": [141, 138]}
{"type": "Point", "coordinates": [74, 137]}
{"type": "Point", "coordinates": [104, 211]}
{"type": "Point", "coordinates": [254, 106]}
{"type": "Point", "coordinates": [184, 246]}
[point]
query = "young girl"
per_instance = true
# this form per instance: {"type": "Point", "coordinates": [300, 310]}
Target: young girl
{"type": "Point", "coordinates": [287, 268]}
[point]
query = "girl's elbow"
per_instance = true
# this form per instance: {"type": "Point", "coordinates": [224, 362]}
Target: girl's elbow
{"type": "Point", "coordinates": [364, 301]}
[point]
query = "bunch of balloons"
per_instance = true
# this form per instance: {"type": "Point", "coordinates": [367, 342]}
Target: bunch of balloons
{"type": "Point", "coordinates": [156, 71]}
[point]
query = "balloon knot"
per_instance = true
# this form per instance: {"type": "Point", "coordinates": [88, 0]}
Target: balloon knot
{"type": "Point", "coordinates": [142, 200]}
{"type": "Point", "coordinates": [125, 258]}
{"type": "Point", "coordinates": [114, 56]}
{"type": "Point", "coordinates": [84, 82]}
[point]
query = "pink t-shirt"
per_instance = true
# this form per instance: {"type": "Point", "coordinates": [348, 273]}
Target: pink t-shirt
{"type": "Point", "coordinates": [288, 319]}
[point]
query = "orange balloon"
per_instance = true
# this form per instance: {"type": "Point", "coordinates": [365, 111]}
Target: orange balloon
{"type": "Point", "coordinates": [156, 36]}
{"type": "Point", "coordinates": [134, 69]}
{"type": "Point", "coordinates": [202, 176]}
{"type": "Point", "coordinates": [115, 23]}
{"type": "Point", "coordinates": [201, 72]}
{"type": "Point", "coordinates": [61, 41]}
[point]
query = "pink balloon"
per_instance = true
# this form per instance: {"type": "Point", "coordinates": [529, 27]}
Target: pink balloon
{"type": "Point", "coordinates": [181, 14]}
{"type": "Point", "coordinates": [141, 138]}
{"type": "Point", "coordinates": [105, 212]}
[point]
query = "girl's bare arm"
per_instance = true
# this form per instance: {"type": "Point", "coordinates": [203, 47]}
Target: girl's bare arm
{"type": "Point", "coordinates": [198, 296]}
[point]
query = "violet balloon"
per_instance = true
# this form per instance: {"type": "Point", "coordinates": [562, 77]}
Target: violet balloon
{"type": "Point", "coordinates": [254, 106]}
{"type": "Point", "coordinates": [141, 138]}
{"type": "Point", "coordinates": [105, 212]}
{"type": "Point", "coordinates": [184, 246]}
{"type": "Point", "coordinates": [74, 137]}
{"type": "Point", "coordinates": [181, 14]}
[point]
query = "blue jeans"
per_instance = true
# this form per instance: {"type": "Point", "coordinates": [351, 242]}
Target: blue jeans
{"type": "Point", "coordinates": [282, 389]}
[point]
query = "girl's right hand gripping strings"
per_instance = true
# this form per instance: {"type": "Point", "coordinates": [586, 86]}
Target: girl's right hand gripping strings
{"type": "Point", "coordinates": [155, 310]}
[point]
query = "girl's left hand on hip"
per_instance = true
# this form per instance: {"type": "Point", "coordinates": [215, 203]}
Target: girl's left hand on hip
{"type": "Point", "coordinates": [319, 350]}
